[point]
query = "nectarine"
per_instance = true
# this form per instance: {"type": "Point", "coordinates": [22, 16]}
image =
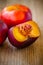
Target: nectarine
{"type": "Point", "coordinates": [3, 32]}
{"type": "Point", "coordinates": [16, 14]}
{"type": "Point", "coordinates": [23, 34]}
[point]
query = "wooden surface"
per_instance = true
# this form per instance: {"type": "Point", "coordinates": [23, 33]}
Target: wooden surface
{"type": "Point", "coordinates": [33, 54]}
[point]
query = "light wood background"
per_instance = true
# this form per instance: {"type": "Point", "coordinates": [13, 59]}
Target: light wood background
{"type": "Point", "coordinates": [33, 54]}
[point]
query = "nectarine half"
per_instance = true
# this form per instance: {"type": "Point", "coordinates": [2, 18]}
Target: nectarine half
{"type": "Point", "coordinates": [23, 34]}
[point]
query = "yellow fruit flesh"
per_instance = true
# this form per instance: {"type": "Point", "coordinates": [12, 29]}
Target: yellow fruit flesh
{"type": "Point", "coordinates": [17, 35]}
{"type": "Point", "coordinates": [35, 32]}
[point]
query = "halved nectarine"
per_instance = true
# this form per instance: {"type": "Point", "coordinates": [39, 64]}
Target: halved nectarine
{"type": "Point", "coordinates": [23, 34]}
{"type": "Point", "coordinates": [16, 14]}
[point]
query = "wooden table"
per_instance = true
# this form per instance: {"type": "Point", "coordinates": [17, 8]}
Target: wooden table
{"type": "Point", "coordinates": [33, 54]}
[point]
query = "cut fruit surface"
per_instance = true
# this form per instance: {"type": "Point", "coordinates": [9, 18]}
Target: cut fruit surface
{"type": "Point", "coordinates": [32, 30]}
{"type": "Point", "coordinates": [35, 29]}
{"type": "Point", "coordinates": [23, 34]}
{"type": "Point", "coordinates": [17, 35]}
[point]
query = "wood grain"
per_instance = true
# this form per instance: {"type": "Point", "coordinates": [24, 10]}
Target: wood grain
{"type": "Point", "coordinates": [33, 54]}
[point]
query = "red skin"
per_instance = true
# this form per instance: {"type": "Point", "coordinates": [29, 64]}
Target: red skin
{"type": "Point", "coordinates": [0, 15]}
{"type": "Point", "coordinates": [18, 44]}
{"type": "Point", "coordinates": [3, 32]}
{"type": "Point", "coordinates": [9, 16]}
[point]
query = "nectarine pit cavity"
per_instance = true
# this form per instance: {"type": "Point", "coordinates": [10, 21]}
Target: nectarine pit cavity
{"type": "Point", "coordinates": [25, 29]}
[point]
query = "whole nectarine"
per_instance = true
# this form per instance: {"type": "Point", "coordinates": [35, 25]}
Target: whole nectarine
{"type": "Point", "coordinates": [3, 32]}
{"type": "Point", "coordinates": [16, 14]}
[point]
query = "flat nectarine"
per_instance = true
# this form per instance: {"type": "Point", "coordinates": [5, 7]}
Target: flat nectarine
{"type": "Point", "coordinates": [16, 14]}
{"type": "Point", "coordinates": [23, 34]}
